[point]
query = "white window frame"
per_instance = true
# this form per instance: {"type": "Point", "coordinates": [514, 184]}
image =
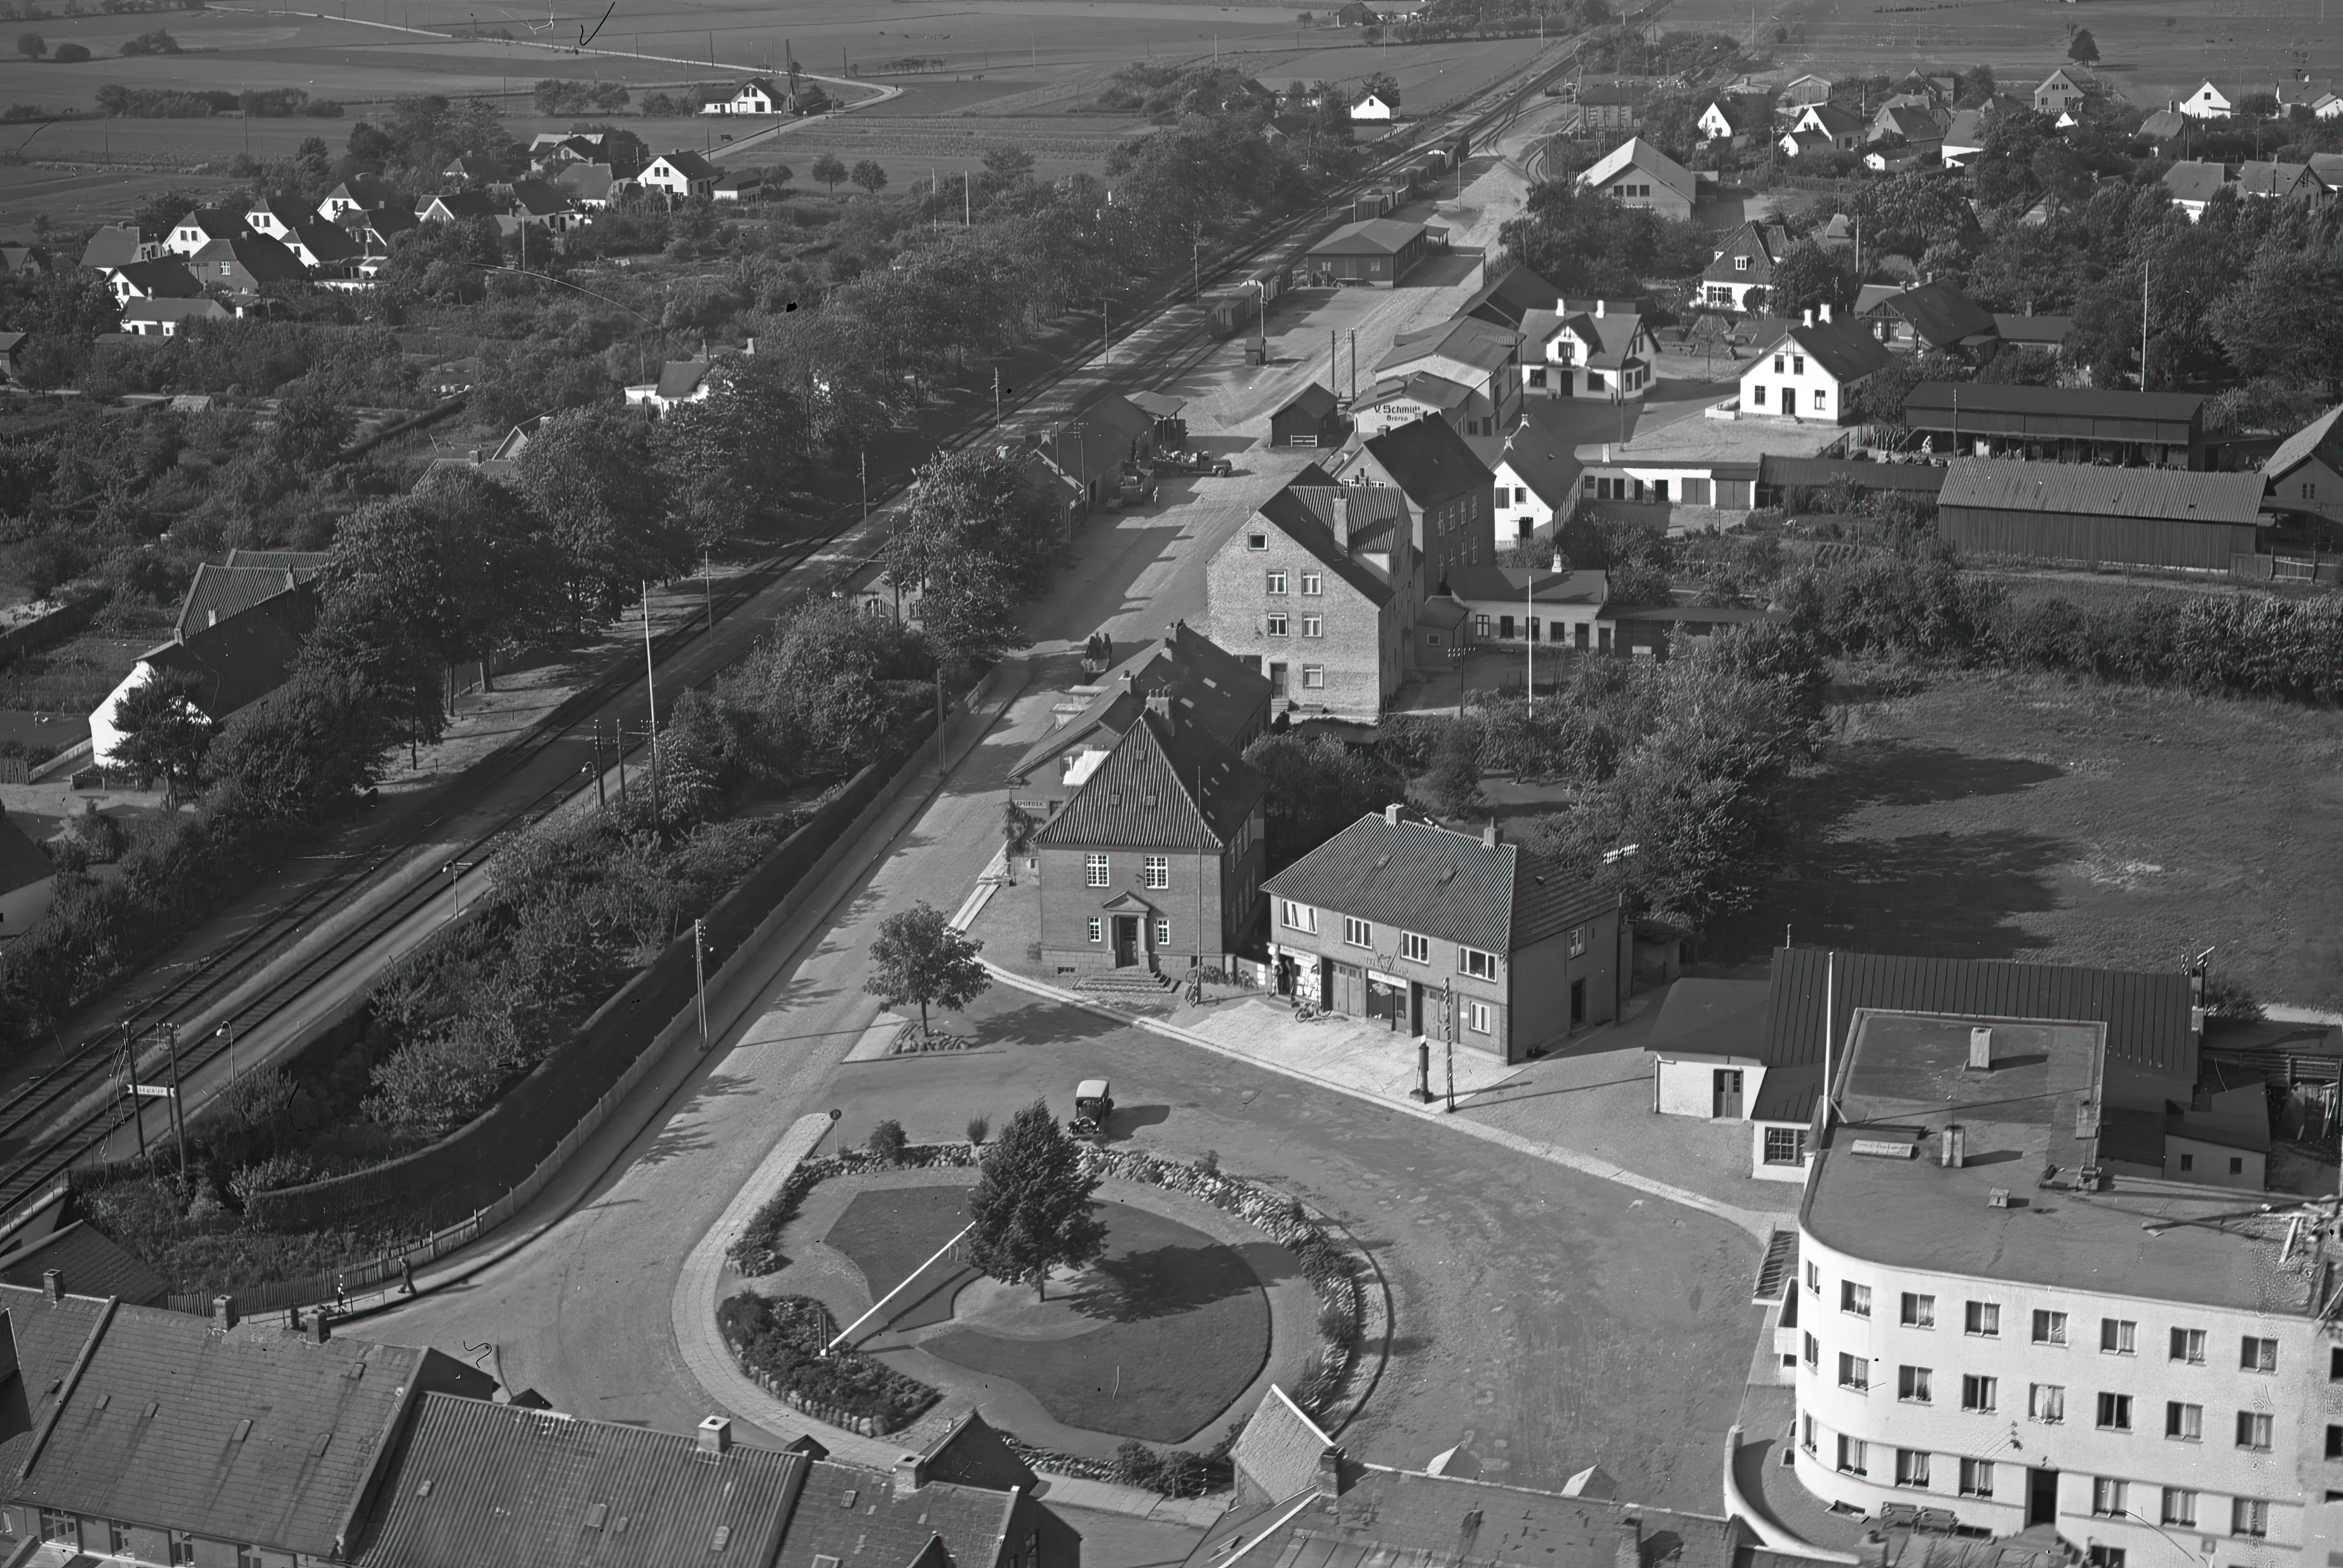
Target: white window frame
{"type": "Point", "coordinates": [1915, 1385]}
{"type": "Point", "coordinates": [2049, 1327]}
{"type": "Point", "coordinates": [1097, 929]}
{"type": "Point", "coordinates": [1313, 678]}
{"type": "Point", "coordinates": [1098, 871]}
{"type": "Point", "coordinates": [1158, 871]}
{"type": "Point", "coordinates": [1853, 1455]}
{"type": "Point", "coordinates": [2046, 1403]}
{"type": "Point", "coordinates": [1982, 1318]}
{"type": "Point", "coordinates": [2256, 1431]}
{"type": "Point", "coordinates": [1415, 947]}
{"type": "Point", "coordinates": [1912, 1468]}
{"type": "Point", "coordinates": [2183, 1421]}
{"type": "Point", "coordinates": [1980, 1393]}
{"type": "Point", "coordinates": [1474, 962]}
{"type": "Point", "coordinates": [1314, 584]}
{"type": "Point", "coordinates": [2112, 1411]}
{"type": "Point", "coordinates": [1977, 1478]}
{"type": "Point", "coordinates": [1162, 933]}
{"type": "Point", "coordinates": [1358, 933]}
{"type": "Point", "coordinates": [2179, 1506]}
{"type": "Point", "coordinates": [2189, 1345]}
{"type": "Point", "coordinates": [1577, 937]}
{"type": "Point", "coordinates": [1481, 1018]}
{"type": "Point", "coordinates": [2249, 1517]}
{"type": "Point", "coordinates": [1277, 626]}
{"type": "Point", "coordinates": [2258, 1353]}
{"type": "Point", "coordinates": [1919, 1311]}
{"type": "Point", "coordinates": [1854, 1372]}
{"type": "Point", "coordinates": [1854, 1299]}
{"type": "Point", "coordinates": [1296, 917]}
{"type": "Point", "coordinates": [1276, 583]}
{"type": "Point", "coordinates": [1313, 626]}
{"type": "Point", "coordinates": [2109, 1495]}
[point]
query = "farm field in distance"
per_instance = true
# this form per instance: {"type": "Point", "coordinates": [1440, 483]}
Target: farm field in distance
{"type": "Point", "coordinates": [2029, 817]}
{"type": "Point", "coordinates": [2151, 55]}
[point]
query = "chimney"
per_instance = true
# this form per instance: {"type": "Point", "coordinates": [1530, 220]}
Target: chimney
{"type": "Point", "coordinates": [321, 1326]}
{"type": "Point", "coordinates": [1126, 678]}
{"type": "Point", "coordinates": [1629, 1553]}
{"type": "Point", "coordinates": [1825, 311]}
{"type": "Point", "coordinates": [1159, 703]}
{"type": "Point", "coordinates": [53, 1284]}
{"type": "Point", "coordinates": [1598, 307]}
{"type": "Point", "coordinates": [1489, 835]}
{"type": "Point", "coordinates": [911, 1474]}
{"type": "Point", "coordinates": [1980, 1048]}
{"type": "Point", "coordinates": [1330, 1471]}
{"type": "Point", "coordinates": [1560, 565]}
{"type": "Point", "coordinates": [1810, 316]}
{"type": "Point", "coordinates": [716, 1434]}
{"type": "Point", "coordinates": [1952, 1151]}
{"type": "Point", "coordinates": [1342, 519]}
{"type": "Point", "coordinates": [751, 349]}
{"type": "Point", "coordinates": [224, 1312]}
{"type": "Point", "coordinates": [1391, 813]}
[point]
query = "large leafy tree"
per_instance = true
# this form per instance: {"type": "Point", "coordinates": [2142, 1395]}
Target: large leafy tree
{"type": "Point", "coordinates": [163, 733]}
{"type": "Point", "coordinates": [919, 959]}
{"type": "Point", "coordinates": [1588, 244]}
{"type": "Point", "coordinates": [461, 562]}
{"type": "Point", "coordinates": [1031, 1211]}
{"type": "Point", "coordinates": [590, 475]}
{"type": "Point", "coordinates": [1317, 787]}
{"type": "Point", "coordinates": [976, 539]}
{"type": "Point", "coordinates": [1807, 278]}
{"type": "Point", "coordinates": [739, 457]}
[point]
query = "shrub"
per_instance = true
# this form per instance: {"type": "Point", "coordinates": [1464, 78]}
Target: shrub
{"type": "Point", "coordinates": [71, 54]}
{"type": "Point", "coordinates": [783, 1338]}
{"type": "Point", "coordinates": [887, 1141]}
{"type": "Point", "coordinates": [979, 1128]}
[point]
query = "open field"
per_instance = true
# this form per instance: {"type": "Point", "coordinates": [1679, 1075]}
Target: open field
{"type": "Point", "coordinates": [2150, 54]}
{"type": "Point", "coordinates": [2027, 817]}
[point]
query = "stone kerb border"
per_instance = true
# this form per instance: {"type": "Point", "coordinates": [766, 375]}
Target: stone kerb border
{"type": "Point", "coordinates": [1354, 1322]}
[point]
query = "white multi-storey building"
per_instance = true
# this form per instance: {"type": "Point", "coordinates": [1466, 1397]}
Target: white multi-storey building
{"type": "Point", "coordinates": [2002, 1314]}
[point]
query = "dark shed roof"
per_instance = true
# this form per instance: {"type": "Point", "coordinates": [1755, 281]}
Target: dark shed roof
{"type": "Point", "coordinates": [1918, 478]}
{"type": "Point", "coordinates": [2146, 1013]}
{"type": "Point", "coordinates": [1429, 460]}
{"type": "Point", "coordinates": [2088, 413]}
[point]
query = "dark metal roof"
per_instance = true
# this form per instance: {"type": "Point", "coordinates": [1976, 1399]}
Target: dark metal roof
{"type": "Point", "coordinates": [1207, 685]}
{"type": "Point", "coordinates": [1428, 460]}
{"type": "Point", "coordinates": [1312, 402]}
{"type": "Point", "coordinates": [2087, 412]}
{"type": "Point", "coordinates": [90, 1261]}
{"type": "Point", "coordinates": [2299, 447]}
{"type": "Point", "coordinates": [1940, 315]}
{"type": "Point", "coordinates": [474, 1482]}
{"type": "Point", "coordinates": [1163, 787]}
{"type": "Point", "coordinates": [1516, 291]}
{"type": "Point", "coordinates": [245, 656]}
{"type": "Point", "coordinates": [1369, 236]}
{"type": "Point", "coordinates": [1844, 350]}
{"type": "Point", "coordinates": [150, 1427]}
{"type": "Point", "coordinates": [1295, 513]}
{"type": "Point", "coordinates": [860, 1520]}
{"type": "Point", "coordinates": [2171, 494]}
{"type": "Point", "coordinates": [1450, 885]}
{"type": "Point", "coordinates": [218, 592]}
{"type": "Point", "coordinates": [2146, 1013]}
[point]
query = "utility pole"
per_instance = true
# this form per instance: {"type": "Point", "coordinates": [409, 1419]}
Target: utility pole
{"type": "Point", "coordinates": [939, 719]}
{"type": "Point", "coordinates": [866, 455]}
{"type": "Point", "coordinates": [700, 975]}
{"type": "Point", "coordinates": [650, 693]}
{"type": "Point", "coordinates": [1529, 637]}
{"type": "Point", "coordinates": [707, 585]}
{"type": "Point", "coordinates": [1106, 338]}
{"type": "Point", "coordinates": [1355, 364]}
{"type": "Point", "coordinates": [601, 789]}
{"type": "Point", "coordinates": [178, 1112]}
{"type": "Point", "coordinates": [228, 1032]}
{"type": "Point", "coordinates": [138, 1105]}
{"type": "Point", "coordinates": [1448, 995]}
{"type": "Point", "coordinates": [2143, 326]}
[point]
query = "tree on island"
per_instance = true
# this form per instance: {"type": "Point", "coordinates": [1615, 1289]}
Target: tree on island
{"type": "Point", "coordinates": [918, 958]}
{"type": "Point", "coordinates": [1032, 1208]}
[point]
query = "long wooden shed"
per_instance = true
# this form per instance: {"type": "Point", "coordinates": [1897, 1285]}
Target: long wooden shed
{"type": "Point", "coordinates": [2071, 512]}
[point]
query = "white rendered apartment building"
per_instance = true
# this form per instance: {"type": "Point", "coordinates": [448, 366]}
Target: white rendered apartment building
{"type": "Point", "coordinates": [2005, 1311]}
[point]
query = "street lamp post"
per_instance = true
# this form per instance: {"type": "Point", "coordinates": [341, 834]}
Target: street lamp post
{"type": "Point", "coordinates": [228, 1031]}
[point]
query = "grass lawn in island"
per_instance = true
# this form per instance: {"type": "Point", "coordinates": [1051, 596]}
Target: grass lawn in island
{"type": "Point", "coordinates": [1153, 1341]}
{"type": "Point", "coordinates": [1992, 815]}
{"type": "Point", "coordinates": [891, 1232]}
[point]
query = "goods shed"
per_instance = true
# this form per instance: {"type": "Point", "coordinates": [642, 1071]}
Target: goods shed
{"type": "Point", "coordinates": [1380, 250]}
{"type": "Point", "coordinates": [2060, 423]}
{"type": "Point", "coordinates": [2073, 512]}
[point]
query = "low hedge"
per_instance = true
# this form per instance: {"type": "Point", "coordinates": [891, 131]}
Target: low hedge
{"type": "Point", "coordinates": [780, 1338]}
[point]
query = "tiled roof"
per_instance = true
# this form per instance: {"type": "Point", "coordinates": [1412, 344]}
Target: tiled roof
{"type": "Point", "coordinates": [858, 1518]}
{"type": "Point", "coordinates": [1208, 686]}
{"type": "Point", "coordinates": [461, 205]}
{"type": "Point", "coordinates": [219, 592]}
{"type": "Point", "coordinates": [1638, 153]}
{"type": "Point", "coordinates": [268, 260]}
{"type": "Point", "coordinates": [1747, 241]}
{"type": "Point", "coordinates": [167, 275]}
{"type": "Point", "coordinates": [2163, 125]}
{"type": "Point", "coordinates": [243, 657]}
{"type": "Point", "coordinates": [1299, 518]}
{"type": "Point", "coordinates": [2076, 402]}
{"type": "Point", "coordinates": [2192, 180]}
{"type": "Point", "coordinates": [1145, 794]}
{"type": "Point", "coordinates": [1429, 460]}
{"type": "Point", "coordinates": [1372, 516]}
{"type": "Point", "coordinates": [2037, 331]}
{"type": "Point", "coordinates": [308, 563]}
{"type": "Point", "coordinates": [1833, 120]}
{"type": "Point", "coordinates": [1940, 314]}
{"type": "Point", "coordinates": [2278, 179]}
{"type": "Point", "coordinates": [1388, 1518]}
{"type": "Point", "coordinates": [1369, 236]}
{"type": "Point", "coordinates": [367, 191]}
{"type": "Point", "coordinates": [90, 1261]}
{"type": "Point", "coordinates": [1840, 348]}
{"type": "Point", "coordinates": [2146, 1013]}
{"type": "Point", "coordinates": [539, 198]}
{"type": "Point", "coordinates": [1517, 289]}
{"type": "Point", "coordinates": [1966, 130]}
{"type": "Point", "coordinates": [160, 310]}
{"type": "Point", "coordinates": [1432, 391]}
{"type": "Point", "coordinates": [1115, 414]}
{"type": "Point", "coordinates": [2299, 447]}
{"type": "Point", "coordinates": [1277, 1455]}
{"type": "Point", "coordinates": [1452, 887]}
{"type": "Point", "coordinates": [259, 1435]}
{"type": "Point", "coordinates": [111, 244]}
{"type": "Point", "coordinates": [1542, 455]}
{"type": "Point", "coordinates": [1507, 585]}
{"type": "Point", "coordinates": [689, 164]}
{"type": "Point", "coordinates": [681, 378]}
{"type": "Point", "coordinates": [2173, 494]}
{"type": "Point", "coordinates": [586, 181]}
{"type": "Point", "coordinates": [474, 1482]}
{"type": "Point", "coordinates": [217, 222]}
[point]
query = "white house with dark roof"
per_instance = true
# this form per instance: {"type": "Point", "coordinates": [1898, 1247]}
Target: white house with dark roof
{"type": "Point", "coordinates": [753, 97]}
{"type": "Point", "coordinates": [681, 173]}
{"type": "Point", "coordinates": [1843, 127]}
{"type": "Point", "coordinates": [1447, 935]}
{"type": "Point", "coordinates": [2207, 102]}
{"type": "Point", "coordinates": [1528, 606]}
{"type": "Point", "coordinates": [1478, 359]}
{"type": "Point", "coordinates": [2059, 92]}
{"type": "Point", "coordinates": [2192, 184]}
{"type": "Point", "coordinates": [1808, 373]}
{"type": "Point", "coordinates": [2305, 474]}
{"type": "Point", "coordinates": [1587, 348]}
{"type": "Point", "coordinates": [1537, 474]}
{"type": "Point", "coordinates": [1372, 107]}
{"type": "Point", "coordinates": [1638, 175]}
{"type": "Point", "coordinates": [1745, 261]}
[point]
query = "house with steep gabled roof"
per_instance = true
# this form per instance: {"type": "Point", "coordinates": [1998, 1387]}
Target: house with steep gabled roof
{"type": "Point", "coordinates": [457, 207]}
{"type": "Point", "coordinates": [1638, 175]}
{"type": "Point", "coordinates": [1372, 106]}
{"type": "Point", "coordinates": [360, 193]}
{"type": "Point", "coordinates": [476, 169]}
{"type": "Point", "coordinates": [539, 204]}
{"type": "Point", "coordinates": [1537, 475]}
{"type": "Point", "coordinates": [1313, 417]}
{"type": "Point", "coordinates": [230, 662]}
{"type": "Point", "coordinates": [202, 226]}
{"type": "Point", "coordinates": [1456, 936]}
{"type": "Point", "coordinates": [1733, 118]}
{"type": "Point", "coordinates": [1743, 262]}
{"type": "Point", "coordinates": [681, 173]}
{"type": "Point", "coordinates": [164, 278]}
{"type": "Point", "coordinates": [2281, 182]}
{"type": "Point", "coordinates": [2059, 92]}
{"type": "Point", "coordinates": [1448, 491]}
{"type": "Point", "coordinates": [1156, 857]}
{"type": "Point", "coordinates": [116, 244]}
{"type": "Point", "coordinates": [2193, 184]}
{"type": "Point", "coordinates": [2207, 102]}
{"type": "Point", "coordinates": [1513, 294]}
{"type": "Point", "coordinates": [1810, 371]}
{"type": "Point", "coordinates": [1318, 591]}
{"type": "Point", "coordinates": [247, 262]}
{"type": "Point", "coordinates": [1588, 348]}
{"type": "Point", "coordinates": [1279, 1454]}
{"type": "Point", "coordinates": [2305, 474]}
{"type": "Point", "coordinates": [754, 96]}
{"type": "Point", "coordinates": [1843, 128]}
{"type": "Point", "coordinates": [1920, 316]}
{"type": "Point", "coordinates": [592, 186]}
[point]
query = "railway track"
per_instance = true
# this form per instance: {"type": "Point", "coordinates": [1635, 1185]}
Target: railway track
{"type": "Point", "coordinates": [63, 1117]}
